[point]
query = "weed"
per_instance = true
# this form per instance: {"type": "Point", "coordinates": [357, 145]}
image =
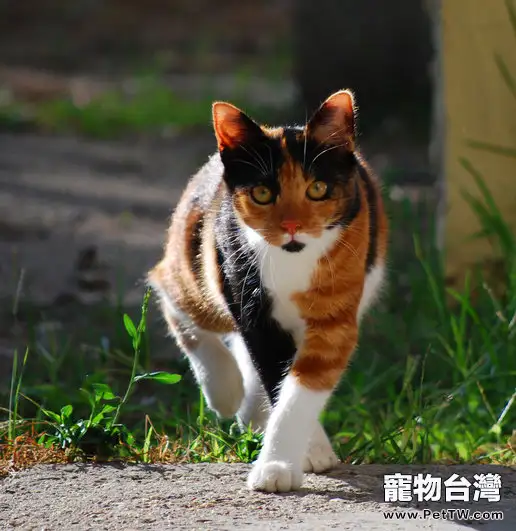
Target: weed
{"type": "Point", "coordinates": [100, 435]}
{"type": "Point", "coordinates": [14, 395]}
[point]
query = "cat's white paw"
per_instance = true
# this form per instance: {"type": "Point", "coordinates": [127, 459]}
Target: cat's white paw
{"type": "Point", "coordinates": [320, 457]}
{"type": "Point", "coordinates": [218, 375]}
{"type": "Point", "coordinates": [224, 406]}
{"type": "Point", "coordinates": [224, 399]}
{"type": "Point", "coordinates": [275, 476]}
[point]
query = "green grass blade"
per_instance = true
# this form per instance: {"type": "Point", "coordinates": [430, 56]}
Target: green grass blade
{"type": "Point", "coordinates": [12, 399]}
{"type": "Point", "coordinates": [506, 74]}
{"type": "Point", "coordinates": [495, 149]}
{"type": "Point", "coordinates": [511, 10]}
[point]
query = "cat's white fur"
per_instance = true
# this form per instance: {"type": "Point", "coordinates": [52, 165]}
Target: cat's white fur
{"type": "Point", "coordinates": [291, 425]}
{"type": "Point", "coordinates": [284, 273]}
{"type": "Point", "coordinates": [255, 408]}
{"type": "Point", "coordinates": [215, 368]}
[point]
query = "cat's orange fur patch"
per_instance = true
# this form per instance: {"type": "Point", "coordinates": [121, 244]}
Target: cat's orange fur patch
{"type": "Point", "coordinates": [330, 307]}
{"type": "Point", "coordinates": [186, 278]}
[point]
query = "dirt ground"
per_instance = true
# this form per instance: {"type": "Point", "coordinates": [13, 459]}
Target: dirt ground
{"type": "Point", "coordinates": [63, 195]}
{"type": "Point", "coordinates": [214, 496]}
{"type": "Point", "coordinates": [83, 220]}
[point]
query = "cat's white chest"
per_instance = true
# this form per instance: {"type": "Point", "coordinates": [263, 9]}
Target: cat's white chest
{"type": "Point", "coordinates": [283, 274]}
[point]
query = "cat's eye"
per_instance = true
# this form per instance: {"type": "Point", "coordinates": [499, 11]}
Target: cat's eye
{"type": "Point", "coordinates": [317, 190]}
{"type": "Point", "coordinates": [262, 195]}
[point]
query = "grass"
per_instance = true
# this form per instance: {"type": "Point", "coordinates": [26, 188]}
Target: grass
{"type": "Point", "coordinates": [150, 106]}
{"type": "Point", "coordinates": [433, 380]}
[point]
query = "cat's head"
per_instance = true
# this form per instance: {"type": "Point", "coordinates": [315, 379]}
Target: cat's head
{"type": "Point", "coordinates": [291, 184]}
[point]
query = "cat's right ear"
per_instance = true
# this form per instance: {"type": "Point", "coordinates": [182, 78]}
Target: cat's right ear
{"type": "Point", "coordinates": [233, 127]}
{"type": "Point", "coordinates": [334, 122]}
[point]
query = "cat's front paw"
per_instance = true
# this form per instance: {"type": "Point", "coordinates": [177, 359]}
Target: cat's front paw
{"type": "Point", "coordinates": [319, 458]}
{"type": "Point", "coordinates": [275, 476]}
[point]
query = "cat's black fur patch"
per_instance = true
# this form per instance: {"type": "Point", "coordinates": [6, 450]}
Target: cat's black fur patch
{"type": "Point", "coordinates": [293, 246]}
{"type": "Point", "coordinates": [271, 347]}
{"type": "Point", "coordinates": [253, 163]}
{"type": "Point", "coordinates": [372, 252]}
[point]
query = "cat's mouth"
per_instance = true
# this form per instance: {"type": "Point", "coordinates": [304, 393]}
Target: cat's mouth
{"type": "Point", "coordinates": [293, 246]}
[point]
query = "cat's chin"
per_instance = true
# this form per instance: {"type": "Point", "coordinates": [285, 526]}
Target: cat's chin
{"type": "Point", "coordinates": [293, 246]}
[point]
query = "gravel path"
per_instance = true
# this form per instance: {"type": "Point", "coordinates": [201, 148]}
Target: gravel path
{"type": "Point", "coordinates": [214, 496]}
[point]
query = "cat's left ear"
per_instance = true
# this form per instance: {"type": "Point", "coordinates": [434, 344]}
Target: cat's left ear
{"type": "Point", "coordinates": [334, 122]}
{"type": "Point", "coordinates": [233, 127]}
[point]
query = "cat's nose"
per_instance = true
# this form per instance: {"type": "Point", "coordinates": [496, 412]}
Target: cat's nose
{"type": "Point", "coordinates": [290, 226]}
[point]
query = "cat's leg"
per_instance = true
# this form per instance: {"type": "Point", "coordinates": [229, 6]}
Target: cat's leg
{"type": "Point", "coordinates": [212, 363]}
{"type": "Point", "coordinates": [255, 408]}
{"type": "Point", "coordinates": [291, 425]}
{"type": "Point", "coordinates": [216, 372]}
{"type": "Point", "coordinates": [304, 392]}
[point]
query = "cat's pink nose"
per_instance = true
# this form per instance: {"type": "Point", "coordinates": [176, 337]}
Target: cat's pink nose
{"type": "Point", "coordinates": [290, 226]}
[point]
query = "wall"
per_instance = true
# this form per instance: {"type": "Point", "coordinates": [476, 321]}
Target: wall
{"type": "Point", "coordinates": [479, 106]}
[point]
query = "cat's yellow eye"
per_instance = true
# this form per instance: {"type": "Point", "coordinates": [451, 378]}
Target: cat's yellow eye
{"type": "Point", "coordinates": [317, 190]}
{"type": "Point", "coordinates": [261, 194]}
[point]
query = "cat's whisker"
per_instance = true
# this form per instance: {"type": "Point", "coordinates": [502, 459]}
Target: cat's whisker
{"type": "Point", "coordinates": [242, 293]}
{"type": "Point", "coordinates": [332, 134]}
{"type": "Point", "coordinates": [315, 295]}
{"type": "Point", "coordinates": [331, 148]}
{"type": "Point", "coordinates": [273, 280]}
{"type": "Point", "coordinates": [350, 229]}
{"type": "Point", "coordinates": [257, 158]}
{"type": "Point", "coordinates": [350, 248]}
{"type": "Point", "coordinates": [263, 232]}
{"type": "Point", "coordinates": [338, 131]}
{"type": "Point", "coordinates": [260, 158]}
{"type": "Point", "coordinates": [332, 273]}
{"type": "Point", "coordinates": [265, 253]}
{"type": "Point", "coordinates": [240, 250]}
{"type": "Point", "coordinates": [305, 139]}
{"type": "Point", "coordinates": [271, 162]}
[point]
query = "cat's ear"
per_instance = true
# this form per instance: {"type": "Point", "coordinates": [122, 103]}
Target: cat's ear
{"type": "Point", "coordinates": [233, 127]}
{"type": "Point", "coordinates": [334, 122]}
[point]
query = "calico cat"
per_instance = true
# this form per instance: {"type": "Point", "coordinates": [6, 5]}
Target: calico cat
{"type": "Point", "coordinates": [275, 251]}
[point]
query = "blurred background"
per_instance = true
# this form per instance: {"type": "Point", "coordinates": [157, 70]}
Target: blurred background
{"type": "Point", "coordinates": [105, 110]}
{"type": "Point", "coordinates": [105, 113]}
